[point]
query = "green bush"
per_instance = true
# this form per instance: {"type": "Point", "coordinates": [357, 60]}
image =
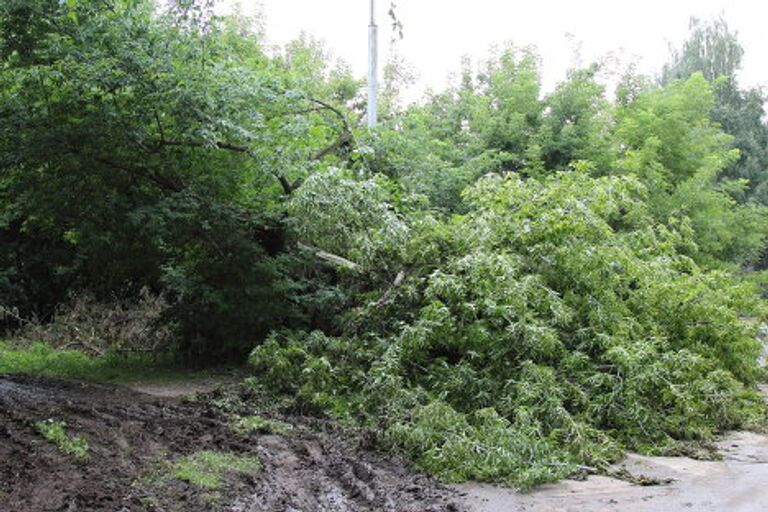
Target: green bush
{"type": "Point", "coordinates": [322, 373]}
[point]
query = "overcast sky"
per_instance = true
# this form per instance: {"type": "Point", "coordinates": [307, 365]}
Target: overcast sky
{"type": "Point", "coordinates": [439, 32]}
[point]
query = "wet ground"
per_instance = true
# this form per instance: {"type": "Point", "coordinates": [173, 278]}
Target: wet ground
{"type": "Point", "coordinates": [738, 483]}
{"type": "Point", "coordinates": [133, 436]}
{"type": "Point", "coordinates": [134, 433]}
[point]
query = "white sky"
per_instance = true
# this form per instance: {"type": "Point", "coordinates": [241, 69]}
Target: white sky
{"type": "Point", "coordinates": [439, 32]}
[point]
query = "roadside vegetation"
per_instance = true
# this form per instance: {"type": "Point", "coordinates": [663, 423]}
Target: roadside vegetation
{"type": "Point", "coordinates": [115, 367]}
{"type": "Point", "coordinates": [54, 432]}
{"type": "Point", "coordinates": [41, 359]}
{"type": "Point", "coordinates": [205, 469]}
{"type": "Point", "coordinates": [255, 423]}
{"type": "Point", "coordinates": [501, 284]}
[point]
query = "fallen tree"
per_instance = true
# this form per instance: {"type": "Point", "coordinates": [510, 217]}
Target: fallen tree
{"type": "Point", "coordinates": [549, 330]}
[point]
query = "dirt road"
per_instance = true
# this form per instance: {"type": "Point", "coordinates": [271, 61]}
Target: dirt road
{"type": "Point", "coordinates": [132, 437]}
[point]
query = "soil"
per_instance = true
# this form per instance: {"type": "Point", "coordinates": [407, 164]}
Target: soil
{"type": "Point", "coordinates": [183, 388]}
{"type": "Point", "coordinates": [133, 436]}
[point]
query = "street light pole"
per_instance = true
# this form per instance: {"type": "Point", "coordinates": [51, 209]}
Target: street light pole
{"type": "Point", "coordinates": [373, 62]}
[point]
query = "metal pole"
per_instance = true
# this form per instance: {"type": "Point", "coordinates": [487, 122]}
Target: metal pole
{"type": "Point", "coordinates": [373, 63]}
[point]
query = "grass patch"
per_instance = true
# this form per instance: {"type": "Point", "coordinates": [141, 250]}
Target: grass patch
{"type": "Point", "coordinates": [42, 359]}
{"type": "Point", "coordinates": [206, 469]}
{"type": "Point", "coordinates": [260, 424]}
{"type": "Point", "coordinates": [53, 431]}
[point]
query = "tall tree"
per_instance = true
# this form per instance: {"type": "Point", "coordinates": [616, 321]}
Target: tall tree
{"type": "Point", "coordinates": [714, 50]}
{"type": "Point", "coordinates": [147, 148]}
{"type": "Point", "coordinates": [670, 141]}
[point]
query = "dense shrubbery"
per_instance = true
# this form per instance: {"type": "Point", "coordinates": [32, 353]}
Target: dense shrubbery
{"type": "Point", "coordinates": [96, 328]}
{"type": "Point", "coordinates": [145, 149]}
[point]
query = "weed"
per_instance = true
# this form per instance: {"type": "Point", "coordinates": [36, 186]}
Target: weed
{"type": "Point", "coordinates": [97, 327]}
{"type": "Point", "coordinates": [260, 424]}
{"type": "Point", "coordinates": [53, 431]}
{"type": "Point", "coordinates": [206, 469]}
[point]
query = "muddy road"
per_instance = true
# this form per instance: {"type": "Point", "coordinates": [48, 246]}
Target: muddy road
{"type": "Point", "coordinates": [133, 437]}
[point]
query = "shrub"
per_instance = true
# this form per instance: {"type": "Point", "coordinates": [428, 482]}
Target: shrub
{"type": "Point", "coordinates": [95, 327]}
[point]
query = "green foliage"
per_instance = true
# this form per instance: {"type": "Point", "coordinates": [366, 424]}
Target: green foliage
{"type": "Point", "coordinates": [321, 372]}
{"type": "Point", "coordinates": [482, 446]}
{"type": "Point", "coordinates": [673, 145]}
{"type": "Point", "coordinates": [53, 431]}
{"type": "Point", "coordinates": [155, 149]}
{"type": "Point", "coordinates": [42, 359]}
{"type": "Point", "coordinates": [507, 112]}
{"type": "Point", "coordinates": [577, 124]}
{"type": "Point", "coordinates": [372, 228]}
{"type": "Point", "coordinates": [35, 271]}
{"type": "Point", "coordinates": [206, 469]}
{"type": "Point", "coordinates": [714, 50]}
{"type": "Point", "coordinates": [674, 124]}
{"type": "Point", "coordinates": [261, 424]}
{"type": "Point", "coordinates": [505, 285]}
{"type": "Point", "coordinates": [486, 123]}
{"type": "Point", "coordinates": [559, 326]}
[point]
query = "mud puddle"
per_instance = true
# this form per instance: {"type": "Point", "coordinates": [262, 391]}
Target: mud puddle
{"type": "Point", "coordinates": [132, 437]}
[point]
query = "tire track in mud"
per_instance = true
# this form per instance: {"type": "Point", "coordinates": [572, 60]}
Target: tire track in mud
{"type": "Point", "coordinates": [130, 434]}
